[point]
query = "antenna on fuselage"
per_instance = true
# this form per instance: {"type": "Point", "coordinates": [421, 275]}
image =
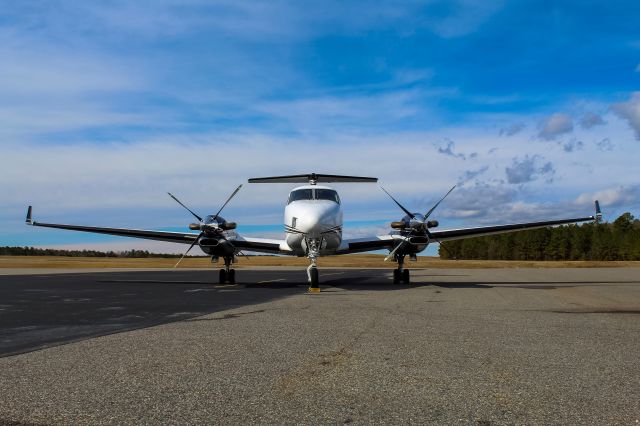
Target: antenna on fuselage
{"type": "Point", "coordinates": [313, 178]}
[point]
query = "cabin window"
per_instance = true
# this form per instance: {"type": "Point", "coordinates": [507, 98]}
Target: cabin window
{"type": "Point", "coordinates": [327, 194]}
{"type": "Point", "coordinates": [300, 194]}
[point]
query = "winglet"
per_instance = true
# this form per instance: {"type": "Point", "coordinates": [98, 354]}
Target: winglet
{"type": "Point", "coordinates": [28, 220]}
{"type": "Point", "coordinates": [598, 213]}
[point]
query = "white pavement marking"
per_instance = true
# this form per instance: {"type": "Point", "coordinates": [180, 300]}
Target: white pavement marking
{"type": "Point", "coordinates": [332, 273]}
{"type": "Point", "coordinates": [199, 289]}
{"type": "Point", "coordinates": [272, 281]}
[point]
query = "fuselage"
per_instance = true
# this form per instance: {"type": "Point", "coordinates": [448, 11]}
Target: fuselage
{"type": "Point", "coordinates": [313, 215]}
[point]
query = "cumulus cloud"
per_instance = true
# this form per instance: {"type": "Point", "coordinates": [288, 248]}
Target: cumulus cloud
{"type": "Point", "coordinates": [448, 150]}
{"type": "Point", "coordinates": [630, 111]}
{"type": "Point", "coordinates": [555, 125]}
{"type": "Point", "coordinates": [487, 203]}
{"type": "Point", "coordinates": [471, 174]}
{"type": "Point", "coordinates": [625, 197]}
{"type": "Point", "coordinates": [481, 200]}
{"type": "Point", "coordinates": [605, 145]}
{"type": "Point", "coordinates": [572, 145]}
{"type": "Point", "coordinates": [590, 120]}
{"type": "Point", "coordinates": [512, 129]}
{"type": "Point", "coordinates": [528, 169]}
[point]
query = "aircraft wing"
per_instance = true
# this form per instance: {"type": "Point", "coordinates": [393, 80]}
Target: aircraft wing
{"type": "Point", "coordinates": [458, 234]}
{"type": "Point", "coordinates": [261, 245]}
{"type": "Point", "coordinates": [389, 241]}
{"type": "Point", "coordinates": [360, 245]}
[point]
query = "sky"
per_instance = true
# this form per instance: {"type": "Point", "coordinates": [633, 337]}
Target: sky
{"type": "Point", "coordinates": [531, 107]}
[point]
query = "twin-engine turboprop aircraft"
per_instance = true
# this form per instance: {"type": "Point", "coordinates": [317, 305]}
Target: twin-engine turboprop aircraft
{"type": "Point", "coordinates": [313, 227]}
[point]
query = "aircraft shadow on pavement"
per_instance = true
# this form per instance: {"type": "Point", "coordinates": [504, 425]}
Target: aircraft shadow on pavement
{"type": "Point", "coordinates": [44, 312]}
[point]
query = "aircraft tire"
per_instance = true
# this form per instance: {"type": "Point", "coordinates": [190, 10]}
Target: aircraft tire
{"type": "Point", "coordinates": [222, 277]}
{"type": "Point", "coordinates": [231, 276]}
{"type": "Point", "coordinates": [314, 278]}
{"type": "Point", "coordinates": [396, 276]}
{"type": "Point", "coordinates": [406, 278]}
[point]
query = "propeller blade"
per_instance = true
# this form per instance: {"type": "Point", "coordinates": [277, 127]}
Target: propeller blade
{"type": "Point", "coordinates": [228, 199]}
{"type": "Point", "coordinates": [178, 201]}
{"type": "Point", "coordinates": [189, 249]}
{"type": "Point", "coordinates": [411, 215]}
{"type": "Point", "coordinates": [393, 252]}
{"type": "Point", "coordinates": [426, 216]}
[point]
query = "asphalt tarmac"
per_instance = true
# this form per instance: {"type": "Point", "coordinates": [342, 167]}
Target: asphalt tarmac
{"type": "Point", "coordinates": [492, 346]}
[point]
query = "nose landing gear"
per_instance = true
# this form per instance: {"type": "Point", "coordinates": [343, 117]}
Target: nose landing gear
{"type": "Point", "coordinates": [312, 270]}
{"type": "Point", "coordinates": [227, 275]}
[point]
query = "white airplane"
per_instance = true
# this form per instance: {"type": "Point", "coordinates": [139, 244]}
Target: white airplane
{"type": "Point", "coordinates": [313, 227]}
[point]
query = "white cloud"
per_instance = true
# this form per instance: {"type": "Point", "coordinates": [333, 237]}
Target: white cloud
{"type": "Point", "coordinates": [630, 111]}
{"type": "Point", "coordinates": [528, 169]}
{"type": "Point", "coordinates": [512, 129]}
{"type": "Point", "coordinates": [590, 120]}
{"type": "Point", "coordinates": [555, 125]}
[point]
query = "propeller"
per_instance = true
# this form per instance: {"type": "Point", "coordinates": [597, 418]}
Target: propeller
{"type": "Point", "coordinates": [420, 221]}
{"type": "Point", "coordinates": [203, 226]}
{"type": "Point", "coordinates": [417, 222]}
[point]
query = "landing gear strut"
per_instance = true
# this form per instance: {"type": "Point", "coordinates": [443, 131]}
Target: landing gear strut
{"type": "Point", "coordinates": [227, 275]}
{"type": "Point", "coordinates": [400, 274]}
{"type": "Point", "coordinates": [312, 270]}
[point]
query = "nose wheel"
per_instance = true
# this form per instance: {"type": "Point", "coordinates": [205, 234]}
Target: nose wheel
{"type": "Point", "coordinates": [314, 281]}
{"type": "Point", "coordinates": [227, 275]}
{"type": "Point", "coordinates": [312, 270]}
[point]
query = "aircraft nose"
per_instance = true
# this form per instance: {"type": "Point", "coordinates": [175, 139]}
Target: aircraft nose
{"type": "Point", "coordinates": [318, 220]}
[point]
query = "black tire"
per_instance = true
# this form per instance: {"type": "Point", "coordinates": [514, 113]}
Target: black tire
{"type": "Point", "coordinates": [396, 276]}
{"type": "Point", "coordinates": [406, 278]}
{"type": "Point", "coordinates": [223, 276]}
{"type": "Point", "coordinates": [231, 276]}
{"type": "Point", "coordinates": [315, 280]}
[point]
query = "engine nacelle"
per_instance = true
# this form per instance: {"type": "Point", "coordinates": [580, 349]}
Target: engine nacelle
{"type": "Point", "coordinates": [208, 242]}
{"type": "Point", "coordinates": [194, 226]}
{"type": "Point", "coordinates": [228, 225]}
{"type": "Point", "coordinates": [432, 224]}
{"type": "Point", "coordinates": [418, 240]}
{"type": "Point", "coordinates": [398, 225]}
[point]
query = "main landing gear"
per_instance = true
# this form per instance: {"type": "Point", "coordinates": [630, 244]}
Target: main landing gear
{"type": "Point", "coordinates": [227, 275]}
{"type": "Point", "coordinates": [400, 274]}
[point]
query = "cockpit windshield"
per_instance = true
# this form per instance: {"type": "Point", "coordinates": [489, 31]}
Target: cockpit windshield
{"type": "Point", "coordinates": [300, 194]}
{"type": "Point", "coordinates": [327, 194]}
{"type": "Point", "coordinates": [314, 194]}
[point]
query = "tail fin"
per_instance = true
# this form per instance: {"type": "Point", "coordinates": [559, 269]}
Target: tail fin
{"type": "Point", "coordinates": [598, 216]}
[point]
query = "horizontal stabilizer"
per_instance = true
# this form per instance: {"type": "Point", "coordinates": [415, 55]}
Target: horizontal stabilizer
{"type": "Point", "coordinates": [312, 178]}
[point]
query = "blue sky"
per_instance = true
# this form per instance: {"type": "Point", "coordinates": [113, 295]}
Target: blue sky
{"type": "Point", "coordinates": [531, 107]}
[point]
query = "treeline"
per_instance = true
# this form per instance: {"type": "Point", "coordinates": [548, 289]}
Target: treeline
{"type": "Point", "coordinates": [32, 251]}
{"type": "Point", "coordinates": [619, 240]}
